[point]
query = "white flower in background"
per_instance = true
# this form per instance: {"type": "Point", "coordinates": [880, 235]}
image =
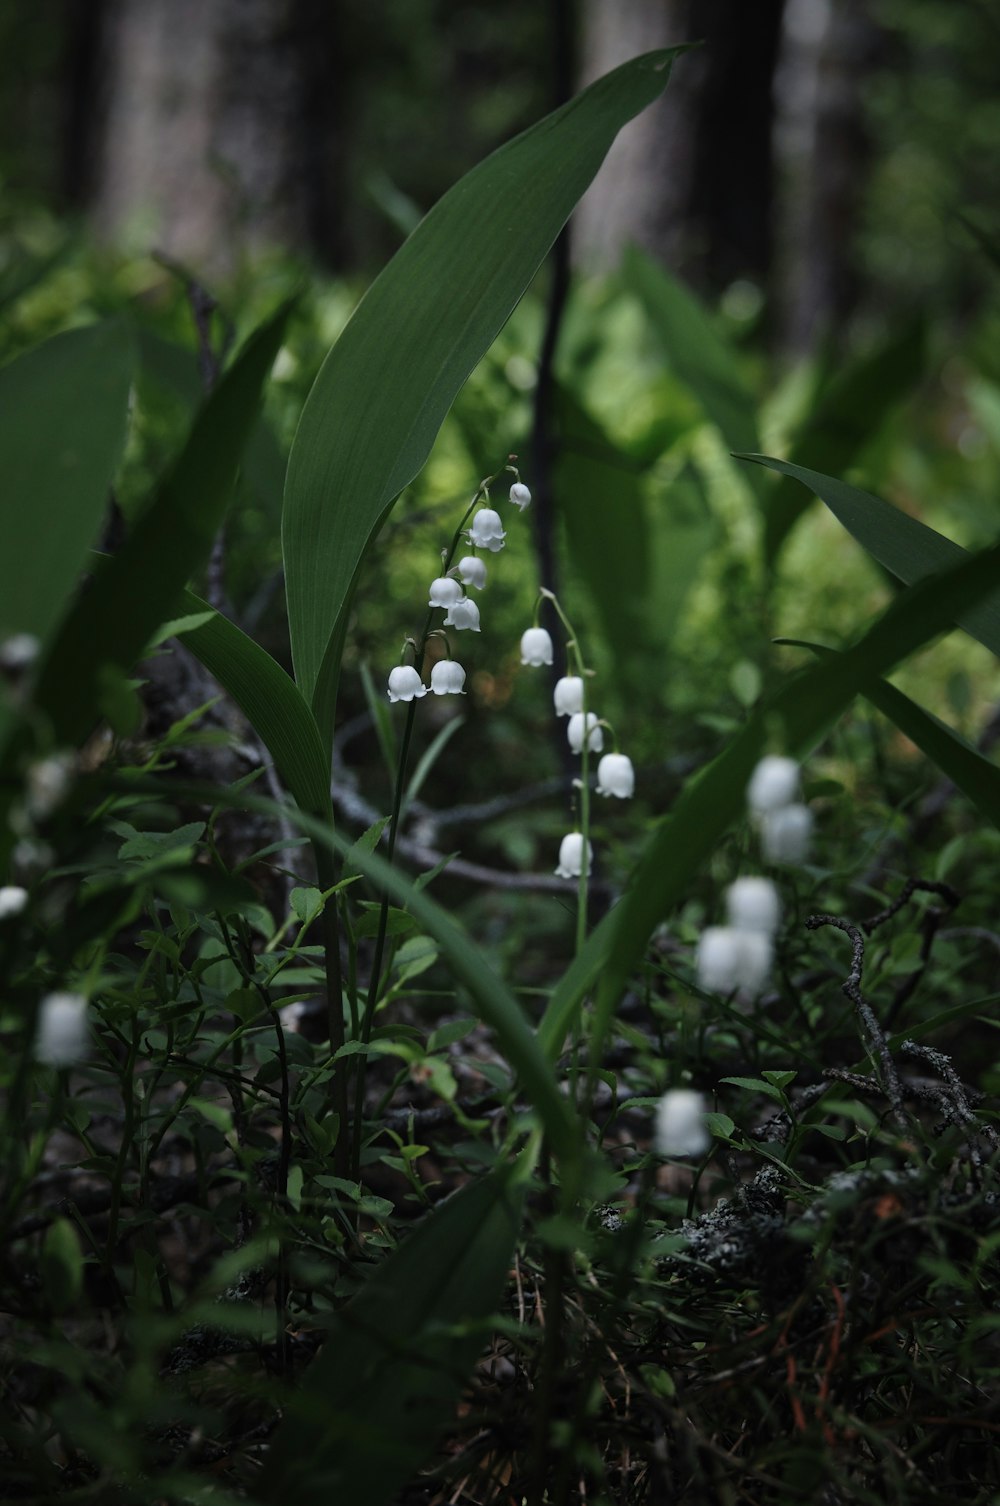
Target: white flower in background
{"type": "Point", "coordinates": [12, 900]}
{"type": "Point", "coordinates": [785, 834]}
{"type": "Point", "coordinates": [773, 783]}
{"type": "Point", "coordinates": [487, 530]}
{"type": "Point", "coordinates": [595, 737]}
{"type": "Point", "coordinates": [568, 695]}
{"type": "Point", "coordinates": [447, 678]}
{"type": "Point", "coordinates": [405, 684]}
{"type": "Point", "coordinates": [48, 784]}
{"type": "Point", "coordinates": [520, 495]}
{"type": "Point", "coordinates": [472, 572]}
{"type": "Point", "coordinates": [680, 1124]}
{"type": "Point", "coordinates": [571, 850]}
{"type": "Point", "coordinates": [445, 591]}
{"type": "Point", "coordinates": [753, 904]}
{"type": "Point", "coordinates": [616, 776]}
{"type": "Point", "coordinates": [536, 647]}
{"type": "Point", "coordinates": [18, 652]}
{"type": "Point", "coordinates": [462, 615]}
{"type": "Point", "coordinates": [729, 959]}
{"type": "Point", "coordinates": [61, 1038]}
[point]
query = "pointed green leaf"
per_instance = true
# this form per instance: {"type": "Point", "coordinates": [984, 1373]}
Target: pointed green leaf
{"type": "Point", "coordinates": [269, 699]}
{"type": "Point", "coordinates": [388, 383]}
{"type": "Point", "coordinates": [385, 1384]}
{"type": "Point", "coordinates": [967, 768]}
{"type": "Point", "coordinates": [906, 548]}
{"type": "Point", "coordinates": [111, 623]}
{"type": "Point", "coordinates": [850, 411]}
{"type": "Point", "coordinates": [63, 412]}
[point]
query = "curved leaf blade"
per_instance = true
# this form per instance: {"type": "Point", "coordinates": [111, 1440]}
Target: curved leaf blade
{"type": "Point", "coordinates": [905, 547]}
{"type": "Point", "coordinates": [386, 386]}
{"type": "Point", "coordinates": [109, 625]}
{"type": "Point", "coordinates": [63, 417]}
{"type": "Point", "coordinates": [271, 702]}
{"type": "Point", "coordinates": [372, 1404]}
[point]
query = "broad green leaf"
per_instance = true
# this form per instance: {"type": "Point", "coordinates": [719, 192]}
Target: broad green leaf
{"type": "Point", "coordinates": [431, 315]}
{"type": "Point", "coordinates": [797, 716]}
{"type": "Point", "coordinates": [63, 412]}
{"type": "Point", "coordinates": [374, 1402]}
{"type": "Point", "coordinates": [110, 624]}
{"type": "Point", "coordinates": [906, 548]}
{"type": "Point", "coordinates": [271, 702]}
{"type": "Point", "coordinates": [847, 416]}
{"type": "Point", "coordinates": [697, 352]}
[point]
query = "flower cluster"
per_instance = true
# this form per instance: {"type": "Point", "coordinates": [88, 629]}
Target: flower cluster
{"type": "Point", "coordinates": [737, 957]}
{"type": "Point", "coordinates": [485, 531]}
{"type": "Point", "coordinates": [585, 732]}
{"type": "Point", "coordinates": [785, 823]}
{"type": "Point", "coordinates": [680, 1124]}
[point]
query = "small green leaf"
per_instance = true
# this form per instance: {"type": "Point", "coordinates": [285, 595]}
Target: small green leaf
{"type": "Point", "coordinates": [755, 1085]}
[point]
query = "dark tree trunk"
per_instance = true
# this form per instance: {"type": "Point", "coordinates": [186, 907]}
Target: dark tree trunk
{"type": "Point", "coordinates": [201, 148]}
{"type": "Point", "coordinates": [691, 179]}
{"type": "Point", "coordinates": [829, 50]}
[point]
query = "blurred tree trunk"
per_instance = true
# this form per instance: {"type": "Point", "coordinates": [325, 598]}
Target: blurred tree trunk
{"type": "Point", "coordinates": [829, 49]}
{"type": "Point", "coordinates": [207, 108]}
{"type": "Point", "coordinates": [691, 179]}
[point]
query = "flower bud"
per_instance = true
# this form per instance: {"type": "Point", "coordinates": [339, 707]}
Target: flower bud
{"type": "Point", "coordinates": [463, 614]}
{"type": "Point", "coordinates": [571, 856]}
{"type": "Point", "coordinates": [773, 783]}
{"type": "Point", "coordinates": [574, 732]}
{"type": "Point", "coordinates": [680, 1124]}
{"type": "Point", "coordinates": [61, 1038]}
{"type": "Point", "coordinates": [405, 684]}
{"type": "Point", "coordinates": [472, 572]}
{"type": "Point", "coordinates": [520, 495]}
{"type": "Point", "coordinates": [785, 834]}
{"type": "Point", "coordinates": [568, 695]}
{"type": "Point", "coordinates": [536, 647]}
{"type": "Point", "coordinates": [486, 531]}
{"type": "Point", "coordinates": [12, 900]}
{"type": "Point", "coordinates": [753, 905]}
{"type": "Point", "coordinates": [447, 678]}
{"type": "Point", "coordinates": [729, 959]}
{"type": "Point", "coordinates": [445, 591]}
{"type": "Point", "coordinates": [616, 776]}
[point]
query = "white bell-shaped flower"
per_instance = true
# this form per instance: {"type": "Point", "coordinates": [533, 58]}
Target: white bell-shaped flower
{"type": "Point", "coordinates": [61, 1038]}
{"type": "Point", "coordinates": [753, 904]}
{"type": "Point", "coordinates": [536, 647]}
{"type": "Point", "coordinates": [568, 695]}
{"type": "Point", "coordinates": [472, 571]}
{"type": "Point", "coordinates": [445, 591]}
{"type": "Point", "coordinates": [462, 615]}
{"type": "Point", "coordinates": [595, 736]}
{"type": "Point", "coordinates": [447, 678]}
{"type": "Point", "coordinates": [520, 495]}
{"type": "Point", "coordinates": [405, 684]}
{"type": "Point", "coordinates": [571, 852]}
{"type": "Point", "coordinates": [729, 959]}
{"type": "Point", "coordinates": [773, 783]}
{"type": "Point", "coordinates": [680, 1124]}
{"type": "Point", "coordinates": [616, 776]}
{"type": "Point", "coordinates": [12, 900]}
{"type": "Point", "coordinates": [785, 835]}
{"type": "Point", "coordinates": [486, 531]}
